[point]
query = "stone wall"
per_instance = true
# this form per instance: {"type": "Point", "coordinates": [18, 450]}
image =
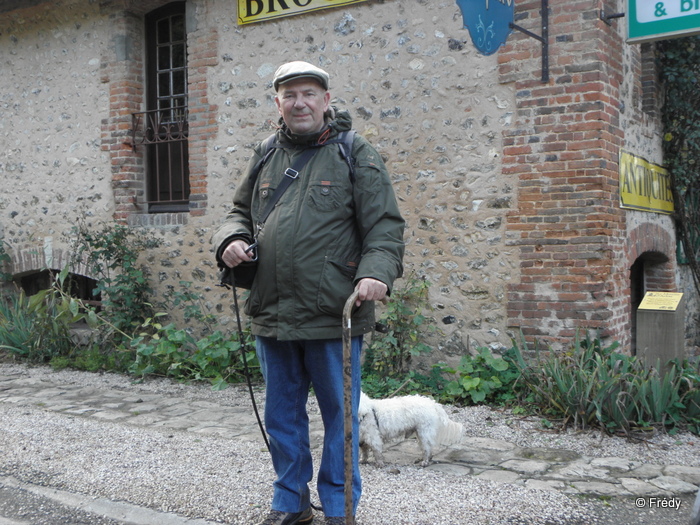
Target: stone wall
{"type": "Point", "coordinates": [51, 105]}
{"type": "Point", "coordinates": [435, 110]}
{"type": "Point", "coordinates": [508, 185]}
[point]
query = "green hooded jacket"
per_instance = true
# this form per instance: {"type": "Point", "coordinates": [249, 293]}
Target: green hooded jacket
{"type": "Point", "coordinates": [325, 234]}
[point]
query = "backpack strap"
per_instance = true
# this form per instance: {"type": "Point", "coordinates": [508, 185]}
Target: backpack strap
{"type": "Point", "coordinates": [344, 140]}
{"type": "Point", "coordinates": [268, 146]}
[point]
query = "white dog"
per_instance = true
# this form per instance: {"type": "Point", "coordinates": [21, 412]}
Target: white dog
{"type": "Point", "coordinates": [382, 420]}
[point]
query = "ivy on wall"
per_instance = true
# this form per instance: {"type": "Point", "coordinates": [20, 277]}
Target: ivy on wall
{"type": "Point", "coordinates": [679, 71]}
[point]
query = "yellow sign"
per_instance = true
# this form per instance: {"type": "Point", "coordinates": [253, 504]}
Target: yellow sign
{"type": "Point", "coordinates": [667, 301]}
{"type": "Point", "coordinates": [643, 185]}
{"type": "Point", "coordinates": [250, 11]}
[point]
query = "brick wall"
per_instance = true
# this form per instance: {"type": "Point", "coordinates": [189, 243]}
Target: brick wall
{"type": "Point", "coordinates": [203, 45]}
{"type": "Point", "coordinates": [122, 72]}
{"type": "Point", "coordinates": [572, 235]}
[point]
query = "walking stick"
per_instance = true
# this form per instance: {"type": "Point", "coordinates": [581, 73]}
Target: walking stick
{"type": "Point", "coordinates": [347, 406]}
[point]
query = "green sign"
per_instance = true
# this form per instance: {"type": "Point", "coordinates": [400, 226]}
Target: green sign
{"type": "Point", "coordinates": [649, 20]}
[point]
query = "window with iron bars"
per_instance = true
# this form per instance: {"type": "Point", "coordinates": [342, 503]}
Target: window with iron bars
{"type": "Point", "coordinates": [163, 128]}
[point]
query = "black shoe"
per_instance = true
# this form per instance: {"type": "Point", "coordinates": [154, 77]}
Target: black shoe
{"type": "Point", "coordinates": [277, 517]}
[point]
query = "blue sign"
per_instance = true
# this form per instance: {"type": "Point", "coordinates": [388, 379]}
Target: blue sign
{"type": "Point", "coordinates": [488, 22]}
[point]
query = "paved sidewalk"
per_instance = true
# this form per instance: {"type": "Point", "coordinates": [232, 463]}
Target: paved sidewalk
{"type": "Point", "coordinates": [541, 468]}
{"type": "Point", "coordinates": [500, 461]}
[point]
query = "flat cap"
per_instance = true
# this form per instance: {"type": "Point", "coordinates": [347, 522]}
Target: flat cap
{"type": "Point", "coordinates": [299, 69]}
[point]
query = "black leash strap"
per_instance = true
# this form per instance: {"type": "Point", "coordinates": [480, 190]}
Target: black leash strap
{"type": "Point", "coordinates": [244, 347]}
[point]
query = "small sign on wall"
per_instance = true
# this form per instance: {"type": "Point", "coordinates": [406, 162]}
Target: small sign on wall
{"type": "Point", "coordinates": [643, 185]}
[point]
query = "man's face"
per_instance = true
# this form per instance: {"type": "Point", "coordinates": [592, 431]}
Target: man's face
{"type": "Point", "coordinates": [302, 103]}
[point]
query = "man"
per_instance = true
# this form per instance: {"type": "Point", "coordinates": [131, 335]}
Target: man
{"type": "Point", "coordinates": [332, 231]}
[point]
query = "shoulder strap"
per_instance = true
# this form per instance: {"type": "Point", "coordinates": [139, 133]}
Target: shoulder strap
{"type": "Point", "coordinates": [344, 140]}
{"type": "Point", "coordinates": [290, 176]}
{"type": "Point", "coordinates": [268, 146]}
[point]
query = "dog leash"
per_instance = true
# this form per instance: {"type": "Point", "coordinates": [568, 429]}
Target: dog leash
{"type": "Point", "coordinates": [244, 347]}
{"type": "Point", "coordinates": [246, 371]}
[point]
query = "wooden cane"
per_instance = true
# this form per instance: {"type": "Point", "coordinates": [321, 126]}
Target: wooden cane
{"type": "Point", "coordinates": [347, 406]}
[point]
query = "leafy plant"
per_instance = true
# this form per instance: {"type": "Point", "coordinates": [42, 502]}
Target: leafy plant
{"type": "Point", "coordinates": [690, 394]}
{"type": "Point", "coordinates": [413, 382]}
{"type": "Point", "coordinates": [112, 256]}
{"type": "Point", "coordinates": [482, 378]}
{"type": "Point", "coordinates": [17, 333]}
{"type": "Point", "coordinates": [131, 336]}
{"type": "Point", "coordinates": [37, 328]}
{"type": "Point", "coordinates": [192, 306]}
{"type": "Point", "coordinates": [594, 386]}
{"type": "Point", "coordinates": [404, 331]}
{"type": "Point", "coordinates": [4, 260]}
{"type": "Point", "coordinates": [170, 351]}
{"type": "Point", "coordinates": [679, 69]}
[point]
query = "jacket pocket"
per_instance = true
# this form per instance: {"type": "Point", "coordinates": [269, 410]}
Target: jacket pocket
{"type": "Point", "coordinates": [335, 286]}
{"type": "Point", "coordinates": [265, 192]}
{"type": "Point", "coordinates": [324, 196]}
{"type": "Point", "coordinates": [252, 303]}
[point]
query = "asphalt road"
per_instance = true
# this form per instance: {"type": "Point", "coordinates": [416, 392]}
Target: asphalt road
{"type": "Point", "coordinates": [23, 503]}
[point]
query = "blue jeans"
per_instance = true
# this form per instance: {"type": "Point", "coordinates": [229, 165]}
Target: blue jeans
{"type": "Point", "coordinates": [289, 368]}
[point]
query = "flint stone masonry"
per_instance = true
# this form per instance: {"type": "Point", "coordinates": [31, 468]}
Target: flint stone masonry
{"type": "Point", "coordinates": [508, 185]}
{"type": "Point", "coordinates": [434, 112]}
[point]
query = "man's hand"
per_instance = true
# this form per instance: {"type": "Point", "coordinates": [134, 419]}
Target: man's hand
{"type": "Point", "coordinates": [370, 290]}
{"type": "Point", "coordinates": [235, 253]}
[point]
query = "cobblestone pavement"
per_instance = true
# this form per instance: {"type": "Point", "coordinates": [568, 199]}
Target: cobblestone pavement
{"type": "Point", "coordinates": [642, 491]}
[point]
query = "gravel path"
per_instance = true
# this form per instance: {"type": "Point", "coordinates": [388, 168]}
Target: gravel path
{"type": "Point", "coordinates": [229, 481]}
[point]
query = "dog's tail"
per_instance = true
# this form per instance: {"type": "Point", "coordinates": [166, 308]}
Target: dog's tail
{"type": "Point", "coordinates": [450, 433]}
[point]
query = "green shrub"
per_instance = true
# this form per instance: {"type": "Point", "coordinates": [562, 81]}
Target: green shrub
{"type": "Point", "coordinates": [4, 260]}
{"type": "Point", "coordinates": [37, 328]}
{"type": "Point", "coordinates": [594, 386]}
{"type": "Point", "coordinates": [678, 61]}
{"type": "Point", "coordinates": [404, 327]}
{"type": "Point", "coordinates": [412, 382]}
{"type": "Point", "coordinates": [111, 254]}
{"type": "Point", "coordinates": [130, 335]}
{"type": "Point", "coordinates": [17, 326]}
{"type": "Point", "coordinates": [173, 352]}
{"type": "Point", "coordinates": [690, 394]}
{"type": "Point", "coordinates": [483, 378]}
